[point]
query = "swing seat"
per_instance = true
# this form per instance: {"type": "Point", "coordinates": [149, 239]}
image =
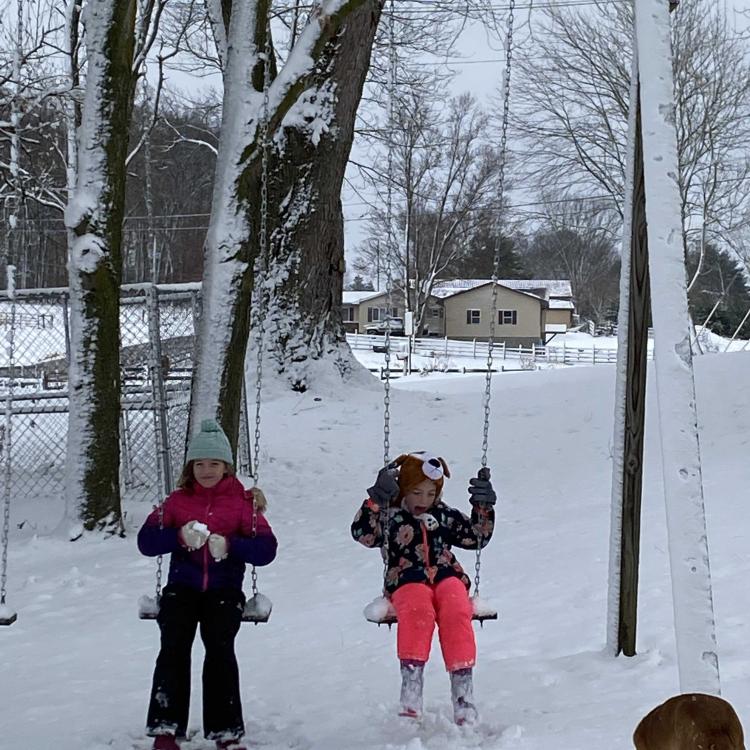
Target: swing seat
{"type": "Point", "coordinates": [381, 611]}
{"type": "Point", "coordinates": [148, 607]}
{"type": "Point", "coordinates": [7, 615]}
{"type": "Point", "coordinates": [257, 609]}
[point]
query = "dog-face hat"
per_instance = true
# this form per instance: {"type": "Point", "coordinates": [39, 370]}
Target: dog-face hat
{"type": "Point", "coordinates": [414, 468]}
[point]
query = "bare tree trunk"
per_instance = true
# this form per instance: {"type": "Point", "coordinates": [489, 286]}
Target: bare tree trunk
{"type": "Point", "coordinates": [94, 215]}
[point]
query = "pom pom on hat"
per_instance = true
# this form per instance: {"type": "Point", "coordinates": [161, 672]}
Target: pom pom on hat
{"type": "Point", "coordinates": [414, 468]}
{"type": "Point", "coordinates": [211, 442]}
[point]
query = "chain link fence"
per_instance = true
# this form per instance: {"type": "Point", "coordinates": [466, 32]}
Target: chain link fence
{"type": "Point", "coordinates": [157, 342]}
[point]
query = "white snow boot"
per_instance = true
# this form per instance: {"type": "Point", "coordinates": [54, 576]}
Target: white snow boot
{"type": "Point", "coordinates": [462, 695]}
{"type": "Point", "coordinates": [412, 681]}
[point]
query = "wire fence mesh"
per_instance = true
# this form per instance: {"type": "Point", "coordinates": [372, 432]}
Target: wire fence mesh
{"type": "Point", "coordinates": [157, 340]}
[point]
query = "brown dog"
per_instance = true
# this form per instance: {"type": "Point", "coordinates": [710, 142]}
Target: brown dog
{"type": "Point", "coordinates": [692, 721]}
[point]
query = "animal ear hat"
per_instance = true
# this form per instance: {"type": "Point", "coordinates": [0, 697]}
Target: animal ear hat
{"type": "Point", "coordinates": [414, 468]}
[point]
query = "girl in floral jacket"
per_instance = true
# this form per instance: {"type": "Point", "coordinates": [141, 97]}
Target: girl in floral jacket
{"type": "Point", "coordinates": [404, 514]}
{"type": "Point", "coordinates": [211, 527]}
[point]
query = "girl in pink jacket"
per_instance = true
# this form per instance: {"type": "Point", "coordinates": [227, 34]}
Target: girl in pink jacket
{"type": "Point", "coordinates": [211, 527]}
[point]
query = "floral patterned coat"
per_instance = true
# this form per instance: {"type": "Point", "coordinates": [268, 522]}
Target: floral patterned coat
{"type": "Point", "coordinates": [416, 553]}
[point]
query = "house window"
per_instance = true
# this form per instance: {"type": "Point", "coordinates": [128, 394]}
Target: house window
{"type": "Point", "coordinates": [436, 312]}
{"type": "Point", "coordinates": [507, 317]}
{"type": "Point", "coordinates": [376, 314]}
{"type": "Point", "coordinates": [347, 314]}
{"type": "Point", "coordinates": [473, 317]}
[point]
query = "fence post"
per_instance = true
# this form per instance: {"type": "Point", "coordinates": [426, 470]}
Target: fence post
{"type": "Point", "coordinates": [66, 328]}
{"type": "Point", "coordinates": [158, 397]}
{"type": "Point", "coordinates": [503, 350]}
{"type": "Point", "coordinates": [475, 349]}
{"type": "Point", "coordinates": [564, 353]}
{"type": "Point", "coordinates": [593, 354]}
{"type": "Point", "coordinates": [446, 347]}
{"type": "Point", "coordinates": [127, 473]}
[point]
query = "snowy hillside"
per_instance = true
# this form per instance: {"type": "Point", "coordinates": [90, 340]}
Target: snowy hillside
{"type": "Point", "coordinates": [318, 676]}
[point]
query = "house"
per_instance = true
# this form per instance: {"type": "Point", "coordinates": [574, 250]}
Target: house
{"type": "Point", "coordinates": [360, 309]}
{"type": "Point", "coordinates": [528, 310]}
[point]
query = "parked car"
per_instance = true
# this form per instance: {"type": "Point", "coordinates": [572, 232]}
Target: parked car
{"type": "Point", "coordinates": [378, 329]}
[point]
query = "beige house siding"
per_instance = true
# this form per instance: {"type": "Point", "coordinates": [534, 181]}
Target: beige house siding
{"type": "Point", "coordinates": [528, 309]}
{"type": "Point", "coordinates": [380, 303]}
{"type": "Point", "coordinates": [435, 323]}
{"type": "Point", "coordinates": [559, 317]}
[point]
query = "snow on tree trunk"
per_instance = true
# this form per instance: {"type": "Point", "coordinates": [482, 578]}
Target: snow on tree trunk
{"type": "Point", "coordinates": [94, 216]}
{"type": "Point", "coordinates": [688, 548]}
{"type": "Point", "coordinates": [303, 323]}
{"type": "Point", "coordinates": [306, 92]}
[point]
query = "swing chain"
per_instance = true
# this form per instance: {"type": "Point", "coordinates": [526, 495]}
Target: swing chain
{"type": "Point", "coordinates": [393, 62]}
{"type": "Point", "coordinates": [496, 267]}
{"type": "Point", "coordinates": [496, 261]}
{"type": "Point", "coordinates": [477, 564]}
{"type": "Point", "coordinates": [262, 250]}
{"type": "Point", "coordinates": [254, 579]}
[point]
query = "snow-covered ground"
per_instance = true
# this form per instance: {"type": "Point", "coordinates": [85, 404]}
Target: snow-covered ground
{"type": "Point", "coordinates": [76, 666]}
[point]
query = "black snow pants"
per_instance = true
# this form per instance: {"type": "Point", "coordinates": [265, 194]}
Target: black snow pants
{"type": "Point", "coordinates": [181, 611]}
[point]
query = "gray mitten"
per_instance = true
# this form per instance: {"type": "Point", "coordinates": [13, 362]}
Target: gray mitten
{"type": "Point", "coordinates": [193, 535]}
{"type": "Point", "coordinates": [385, 489]}
{"type": "Point", "coordinates": [480, 488]}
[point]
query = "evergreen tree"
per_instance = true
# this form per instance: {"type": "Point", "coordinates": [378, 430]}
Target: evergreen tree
{"type": "Point", "coordinates": [722, 280]}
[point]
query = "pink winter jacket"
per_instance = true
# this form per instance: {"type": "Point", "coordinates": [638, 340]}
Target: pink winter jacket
{"type": "Point", "coordinates": [226, 509]}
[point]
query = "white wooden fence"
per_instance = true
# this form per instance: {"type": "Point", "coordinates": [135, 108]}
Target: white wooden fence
{"type": "Point", "coordinates": [445, 347]}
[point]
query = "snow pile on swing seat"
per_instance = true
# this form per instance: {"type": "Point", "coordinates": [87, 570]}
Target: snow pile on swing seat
{"type": "Point", "coordinates": [482, 608]}
{"type": "Point", "coordinates": [148, 607]}
{"type": "Point", "coordinates": [379, 609]}
{"type": "Point", "coordinates": [258, 606]}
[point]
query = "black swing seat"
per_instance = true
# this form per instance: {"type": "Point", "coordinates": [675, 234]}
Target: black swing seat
{"type": "Point", "coordinates": [381, 611]}
{"type": "Point", "coordinates": [257, 609]}
{"type": "Point", "coordinates": [6, 616]}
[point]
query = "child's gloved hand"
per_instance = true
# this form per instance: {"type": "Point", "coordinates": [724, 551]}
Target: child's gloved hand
{"type": "Point", "coordinates": [218, 546]}
{"type": "Point", "coordinates": [385, 489]}
{"type": "Point", "coordinates": [193, 535]}
{"type": "Point", "coordinates": [480, 488]}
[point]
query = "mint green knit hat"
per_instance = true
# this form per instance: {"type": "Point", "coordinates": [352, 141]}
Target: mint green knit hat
{"type": "Point", "coordinates": [210, 442]}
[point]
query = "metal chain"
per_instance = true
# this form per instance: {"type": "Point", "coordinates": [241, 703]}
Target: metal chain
{"type": "Point", "coordinates": [263, 263]}
{"type": "Point", "coordinates": [385, 512]}
{"type": "Point", "coordinates": [496, 266]}
{"type": "Point", "coordinates": [8, 440]}
{"type": "Point", "coordinates": [262, 267]}
{"type": "Point", "coordinates": [496, 262]}
{"type": "Point", "coordinates": [389, 228]}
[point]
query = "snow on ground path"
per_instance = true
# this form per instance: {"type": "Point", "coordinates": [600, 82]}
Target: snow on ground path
{"type": "Point", "coordinates": [318, 676]}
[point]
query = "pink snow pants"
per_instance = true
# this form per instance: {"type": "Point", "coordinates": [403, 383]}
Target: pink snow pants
{"type": "Point", "coordinates": [419, 606]}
